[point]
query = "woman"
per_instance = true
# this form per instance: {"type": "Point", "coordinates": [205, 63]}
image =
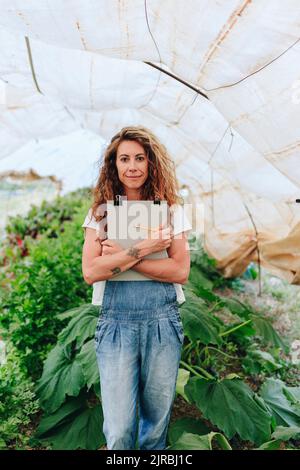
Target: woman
{"type": "Point", "coordinates": [139, 333]}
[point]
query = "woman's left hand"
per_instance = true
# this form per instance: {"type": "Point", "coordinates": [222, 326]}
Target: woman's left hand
{"type": "Point", "coordinates": [109, 247]}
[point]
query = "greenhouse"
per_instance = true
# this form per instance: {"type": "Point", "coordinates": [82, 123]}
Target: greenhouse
{"type": "Point", "coordinates": [191, 104]}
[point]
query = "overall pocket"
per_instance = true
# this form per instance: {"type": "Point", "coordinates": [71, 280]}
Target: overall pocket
{"type": "Point", "coordinates": [100, 330]}
{"type": "Point", "coordinates": [175, 319]}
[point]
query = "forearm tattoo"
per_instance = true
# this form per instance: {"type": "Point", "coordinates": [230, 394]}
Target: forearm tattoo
{"type": "Point", "coordinates": [132, 251]}
{"type": "Point", "coordinates": [116, 270]}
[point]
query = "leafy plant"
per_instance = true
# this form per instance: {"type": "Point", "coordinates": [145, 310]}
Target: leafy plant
{"type": "Point", "coordinates": [258, 361]}
{"type": "Point", "coordinates": [48, 218]}
{"type": "Point", "coordinates": [244, 413]}
{"type": "Point", "coordinates": [229, 347]}
{"type": "Point", "coordinates": [68, 389]}
{"type": "Point", "coordinates": [44, 283]}
{"type": "Point", "coordinates": [190, 441]}
{"type": "Point", "coordinates": [75, 425]}
{"type": "Point", "coordinates": [188, 425]}
{"type": "Point", "coordinates": [282, 401]}
{"type": "Point", "coordinates": [18, 402]}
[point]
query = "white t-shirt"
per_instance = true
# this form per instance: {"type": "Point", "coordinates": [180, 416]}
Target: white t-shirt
{"type": "Point", "coordinates": [180, 223]}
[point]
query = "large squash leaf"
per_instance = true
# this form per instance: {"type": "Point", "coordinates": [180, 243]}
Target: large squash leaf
{"type": "Point", "coordinates": [232, 406]}
{"type": "Point", "coordinates": [200, 324]}
{"type": "Point", "coordinates": [81, 427]}
{"type": "Point", "coordinates": [265, 329]}
{"type": "Point", "coordinates": [76, 311]}
{"type": "Point", "coordinates": [182, 379]}
{"type": "Point", "coordinates": [189, 425]}
{"type": "Point", "coordinates": [257, 360]}
{"type": "Point", "coordinates": [79, 328]}
{"type": "Point", "coordinates": [62, 375]}
{"type": "Point", "coordinates": [60, 416]}
{"type": "Point", "coordinates": [189, 441]}
{"type": "Point", "coordinates": [237, 307]}
{"type": "Point", "coordinates": [198, 279]}
{"type": "Point", "coordinates": [88, 361]}
{"type": "Point", "coordinates": [191, 297]}
{"type": "Point", "coordinates": [284, 411]}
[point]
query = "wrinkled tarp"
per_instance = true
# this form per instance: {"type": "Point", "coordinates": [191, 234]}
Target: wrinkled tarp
{"type": "Point", "coordinates": [69, 65]}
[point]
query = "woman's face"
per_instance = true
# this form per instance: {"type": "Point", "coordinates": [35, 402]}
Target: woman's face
{"type": "Point", "coordinates": [132, 166]}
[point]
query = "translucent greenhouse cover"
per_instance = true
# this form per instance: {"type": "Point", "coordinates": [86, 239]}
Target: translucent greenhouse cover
{"type": "Point", "coordinates": [217, 81]}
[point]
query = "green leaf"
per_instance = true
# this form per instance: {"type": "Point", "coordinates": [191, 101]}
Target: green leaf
{"type": "Point", "coordinates": [74, 312]}
{"type": "Point", "coordinates": [285, 413]}
{"type": "Point", "coordinates": [232, 406]}
{"type": "Point", "coordinates": [88, 361]}
{"type": "Point", "coordinates": [61, 376]}
{"type": "Point", "coordinates": [293, 395]}
{"type": "Point", "coordinates": [189, 441]}
{"type": "Point", "coordinates": [265, 329]}
{"type": "Point", "coordinates": [284, 434]}
{"type": "Point", "coordinates": [222, 441]}
{"type": "Point", "coordinates": [182, 379]}
{"type": "Point", "coordinates": [188, 425]}
{"type": "Point", "coordinates": [203, 292]}
{"type": "Point", "coordinates": [199, 324]}
{"type": "Point", "coordinates": [242, 334]}
{"type": "Point", "coordinates": [60, 416]}
{"type": "Point", "coordinates": [82, 431]}
{"type": "Point", "coordinates": [257, 360]}
{"type": "Point", "coordinates": [207, 295]}
{"type": "Point", "coordinates": [253, 273]}
{"type": "Point", "coordinates": [270, 445]}
{"type": "Point", "coordinates": [251, 366]}
{"type": "Point", "coordinates": [3, 444]}
{"type": "Point", "coordinates": [198, 279]}
{"type": "Point", "coordinates": [237, 307]}
{"type": "Point", "coordinates": [231, 376]}
{"type": "Point", "coordinates": [192, 298]}
{"type": "Point", "coordinates": [97, 390]}
{"type": "Point", "coordinates": [80, 328]}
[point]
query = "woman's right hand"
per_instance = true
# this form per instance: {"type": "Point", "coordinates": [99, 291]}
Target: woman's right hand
{"type": "Point", "coordinates": [159, 240]}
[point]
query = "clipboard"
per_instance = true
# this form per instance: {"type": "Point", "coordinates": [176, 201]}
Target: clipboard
{"type": "Point", "coordinates": [123, 216]}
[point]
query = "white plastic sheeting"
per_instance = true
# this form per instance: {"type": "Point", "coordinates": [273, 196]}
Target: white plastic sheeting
{"type": "Point", "coordinates": [81, 64]}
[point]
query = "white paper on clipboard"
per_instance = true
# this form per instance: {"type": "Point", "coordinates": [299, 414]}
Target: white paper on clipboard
{"type": "Point", "coordinates": [121, 227]}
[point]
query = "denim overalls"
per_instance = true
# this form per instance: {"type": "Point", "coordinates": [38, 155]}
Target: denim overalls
{"type": "Point", "coordinates": [138, 342]}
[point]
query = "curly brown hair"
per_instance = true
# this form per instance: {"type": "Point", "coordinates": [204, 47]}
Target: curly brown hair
{"type": "Point", "coordinates": [161, 182]}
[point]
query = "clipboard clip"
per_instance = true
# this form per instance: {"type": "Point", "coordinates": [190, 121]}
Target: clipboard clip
{"type": "Point", "coordinates": [118, 200]}
{"type": "Point", "coordinates": [156, 200]}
